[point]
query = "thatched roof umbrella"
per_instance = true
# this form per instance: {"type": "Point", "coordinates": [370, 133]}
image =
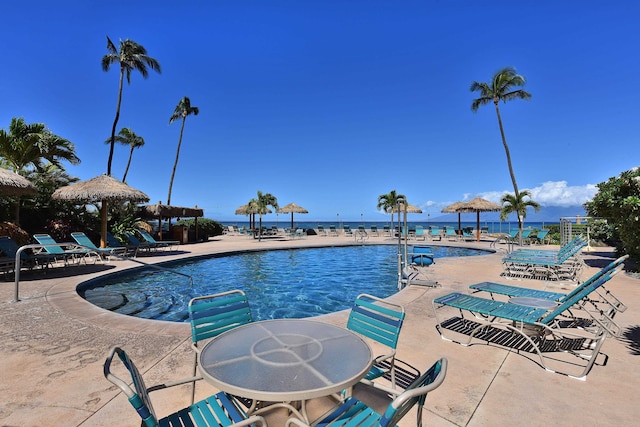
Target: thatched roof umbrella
{"type": "Point", "coordinates": [291, 208]}
{"type": "Point", "coordinates": [101, 189]}
{"type": "Point", "coordinates": [250, 210]}
{"type": "Point", "coordinates": [478, 205]}
{"type": "Point", "coordinates": [453, 208]}
{"type": "Point", "coordinates": [12, 184]}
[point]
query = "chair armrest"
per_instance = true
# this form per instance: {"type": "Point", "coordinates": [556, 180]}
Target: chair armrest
{"type": "Point", "coordinates": [296, 422]}
{"type": "Point", "coordinates": [255, 419]}
{"type": "Point", "coordinates": [173, 383]}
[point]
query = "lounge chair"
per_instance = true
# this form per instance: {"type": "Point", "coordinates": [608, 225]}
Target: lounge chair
{"type": "Point", "coordinates": [219, 409]}
{"type": "Point", "coordinates": [10, 248]}
{"type": "Point", "coordinates": [347, 230]}
{"type": "Point", "coordinates": [386, 231]}
{"type": "Point", "coordinates": [168, 244]}
{"type": "Point", "coordinates": [434, 233]}
{"type": "Point", "coordinates": [603, 295]}
{"type": "Point", "coordinates": [212, 315]}
{"type": "Point", "coordinates": [451, 234]}
{"type": "Point", "coordinates": [332, 230]}
{"type": "Point", "coordinates": [353, 412]}
{"type": "Point", "coordinates": [374, 230]}
{"type": "Point", "coordinates": [528, 329]}
{"type": "Point", "coordinates": [322, 231]}
{"type": "Point", "coordinates": [419, 235]}
{"type": "Point", "coordinates": [380, 321]}
{"type": "Point", "coordinates": [540, 237]}
{"type": "Point", "coordinates": [84, 241]}
{"type": "Point", "coordinates": [55, 249]}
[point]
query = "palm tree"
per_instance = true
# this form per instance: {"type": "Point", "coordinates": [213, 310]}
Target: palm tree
{"type": "Point", "coordinates": [261, 205]}
{"type": "Point", "coordinates": [501, 88]}
{"type": "Point", "coordinates": [131, 56]}
{"type": "Point", "coordinates": [128, 137]}
{"type": "Point", "coordinates": [31, 147]}
{"type": "Point", "coordinates": [388, 203]}
{"type": "Point", "coordinates": [183, 109]}
{"type": "Point", "coordinates": [517, 204]}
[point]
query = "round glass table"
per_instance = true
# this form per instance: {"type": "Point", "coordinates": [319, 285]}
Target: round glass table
{"type": "Point", "coordinates": [285, 360]}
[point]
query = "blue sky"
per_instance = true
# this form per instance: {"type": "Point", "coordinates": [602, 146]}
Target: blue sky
{"type": "Point", "coordinates": [330, 104]}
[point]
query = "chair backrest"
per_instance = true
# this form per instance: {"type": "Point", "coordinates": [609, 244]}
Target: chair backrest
{"type": "Point", "coordinates": [149, 238]}
{"type": "Point", "coordinates": [416, 393]}
{"type": "Point", "coordinates": [374, 228]}
{"type": "Point", "coordinates": [45, 239]}
{"type": "Point", "coordinates": [612, 265]}
{"type": "Point", "coordinates": [376, 319]}
{"type": "Point", "coordinates": [83, 240]}
{"type": "Point", "coordinates": [138, 396]}
{"type": "Point", "coordinates": [8, 246]}
{"type": "Point", "coordinates": [132, 239]}
{"type": "Point", "coordinates": [112, 241]}
{"type": "Point", "coordinates": [212, 315]}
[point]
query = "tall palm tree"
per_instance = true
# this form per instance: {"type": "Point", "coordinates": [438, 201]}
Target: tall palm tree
{"type": "Point", "coordinates": [501, 88]}
{"type": "Point", "coordinates": [131, 56]}
{"type": "Point", "coordinates": [30, 147]}
{"type": "Point", "coordinates": [261, 205]}
{"type": "Point", "coordinates": [389, 202]}
{"type": "Point", "coordinates": [517, 204]}
{"type": "Point", "coordinates": [183, 109]}
{"type": "Point", "coordinates": [128, 137]}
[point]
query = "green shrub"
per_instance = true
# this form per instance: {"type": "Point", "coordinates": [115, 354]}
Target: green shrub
{"type": "Point", "coordinates": [206, 227]}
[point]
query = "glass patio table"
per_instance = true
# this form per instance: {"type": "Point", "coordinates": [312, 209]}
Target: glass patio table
{"type": "Point", "coordinates": [285, 360]}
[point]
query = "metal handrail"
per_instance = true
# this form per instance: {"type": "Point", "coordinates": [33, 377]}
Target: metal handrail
{"type": "Point", "coordinates": [18, 263]}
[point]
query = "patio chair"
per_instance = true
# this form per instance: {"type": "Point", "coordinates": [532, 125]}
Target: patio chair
{"type": "Point", "coordinates": [380, 321]}
{"type": "Point", "coordinates": [451, 234]}
{"type": "Point", "coordinates": [353, 412]}
{"type": "Point", "coordinates": [540, 237]}
{"type": "Point", "coordinates": [332, 230]}
{"type": "Point", "coordinates": [53, 248]}
{"type": "Point", "coordinates": [321, 230]}
{"type": "Point", "coordinates": [168, 244]}
{"type": "Point", "coordinates": [212, 315]}
{"type": "Point", "coordinates": [434, 233]}
{"type": "Point", "coordinates": [374, 230]}
{"type": "Point", "coordinates": [107, 253]}
{"type": "Point", "coordinates": [419, 235]}
{"type": "Point", "coordinates": [347, 230]}
{"type": "Point", "coordinates": [129, 250]}
{"type": "Point", "coordinates": [386, 231]}
{"type": "Point", "coordinates": [29, 260]}
{"type": "Point", "coordinates": [528, 329]}
{"type": "Point", "coordinates": [219, 409]}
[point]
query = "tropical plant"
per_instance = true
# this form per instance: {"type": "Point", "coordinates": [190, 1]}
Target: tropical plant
{"type": "Point", "coordinates": [32, 148]}
{"type": "Point", "coordinates": [261, 204]}
{"type": "Point", "coordinates": [618, 201]}
{"type": "Point", "coordinates": [501, 88]}
{"type": "Point", "coordinates": [517, 204]}
{"type": "Point", "coordinates": [131, 56]}
{"type": "Point", "coordinates": [206, 227]}
{"type": "Point", "coordinates": [183, 109]}
{"type": "Point", "coordinates": [388, 203]}
{"type": "Point", "coordinates": [128, 137]}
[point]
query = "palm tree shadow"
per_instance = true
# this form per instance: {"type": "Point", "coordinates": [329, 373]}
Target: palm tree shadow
{"type": "Point", "coordinates": [631, 336]}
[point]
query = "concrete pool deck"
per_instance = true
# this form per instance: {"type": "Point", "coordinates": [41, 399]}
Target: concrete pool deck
{"type": "Point", "coordinates": [54, 344]}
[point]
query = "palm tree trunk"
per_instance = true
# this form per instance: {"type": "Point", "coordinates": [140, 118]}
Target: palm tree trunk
{"type": "Point", "coordinates": [175, 164]}
{"type": "Point", "coordinates": [115, 122]}
{"type": "Point", "coordinates": [124, 177]}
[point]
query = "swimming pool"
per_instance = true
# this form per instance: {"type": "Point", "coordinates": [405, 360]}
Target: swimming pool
{"type": "Point", "coordinates": [290, 283]}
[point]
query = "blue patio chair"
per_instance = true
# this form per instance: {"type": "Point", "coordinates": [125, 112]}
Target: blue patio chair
{"type": "Point", "coordinates": [451, 234]}
{"type": "Point", "coordinates": [419, 233]}
{"type": "Point", "coordinates": [168, 244]}
{"type": "Point", "coordinates": [217, 410]}
{"type": "Point", "coordinates": [380, 321]}
{"type": "Point", "coordinates": [434, 233]}
{"type": "Point", "coordinates": [540, 237]}
{"type": "Point", "coordinates": [65, 254]}
{"type": "Point", "coordinates": [10, 250]}
{"type": "Point", "coordinates": [354, 413]}
{"type": "Point", "coordinates": [107, 253]}
{"type": "Point", "coordinates": [212, 315]}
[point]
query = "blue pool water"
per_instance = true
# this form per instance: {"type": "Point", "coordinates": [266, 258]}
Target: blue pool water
{"type": "Point", "coordinates": [293, 283]}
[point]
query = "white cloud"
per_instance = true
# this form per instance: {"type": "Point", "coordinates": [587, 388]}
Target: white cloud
{"type": "Point", "coordinates": [558, 193]}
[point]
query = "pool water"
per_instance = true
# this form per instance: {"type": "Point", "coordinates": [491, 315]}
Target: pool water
{"type": "Point", "coordinates": [293, 283]}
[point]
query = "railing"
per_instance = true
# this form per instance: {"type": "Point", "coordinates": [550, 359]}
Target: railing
{"type": "Point", "coordinates": [18, 264]}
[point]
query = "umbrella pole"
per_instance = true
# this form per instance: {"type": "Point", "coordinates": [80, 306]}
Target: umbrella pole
{"type": "Point", "coordinates": [292, 220]}
{"type": "Point", "coordinates": [478, 225]}
{"type": "Point", "coordinates": [103, 231]}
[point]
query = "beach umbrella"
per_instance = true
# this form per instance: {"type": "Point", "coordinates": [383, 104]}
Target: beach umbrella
{"type": "Point", "coordinates": [291, 208]}
{"type": "Point", "coordinates": [12, 184]}
{"type": "Point", "coordinates": [478, 205]}
{"type": "Point", "coordinates": [102, 189]}
{"type": "Point", "coordinates": [453, 208]}
{"type": "Point", "coordinates": [250, 210]}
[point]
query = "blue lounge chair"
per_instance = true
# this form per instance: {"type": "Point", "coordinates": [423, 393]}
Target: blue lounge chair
{"type": "Point", "coordinates": [540, 237]}
{"type": "Point", "coordinates": [10, 248]}
{"type": "Point", "coordinates": [217, 410]}
{"type": "Point", "coordinates": [168, 244]}
{"type": "Point", "coordinates": [530, 329]}
{"type": "Point", "coordinates": [354, 413]}
{"type": "Point", "coordinates": [434, 233]}
{"type": "Point", "coordinates": [380, 321]}
{"type": "Point", "coordinates": [419, 233]}
{"type": "Point", "coordinates": [451, 234]}
{"type": "Point", "coordinates": [212, 315]}
{"type": "Point", "coordinates": [55, 249]}
{"type": "Point", "coordinates": [107, 253]}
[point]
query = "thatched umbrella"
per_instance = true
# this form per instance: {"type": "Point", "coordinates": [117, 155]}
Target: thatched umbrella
{"type": "Point", "coordinates": [101, 189]}
{"type": "Point", "coordinates": [249, 210]}
{"type": "Point", "coordinates": [291, 208]}
{"type": "Point", "coordinates": [453, 208]}
{"type": "Point", "coordinates": [12, 184]}
{"type": "Point", "coordinates": [478, 205]}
